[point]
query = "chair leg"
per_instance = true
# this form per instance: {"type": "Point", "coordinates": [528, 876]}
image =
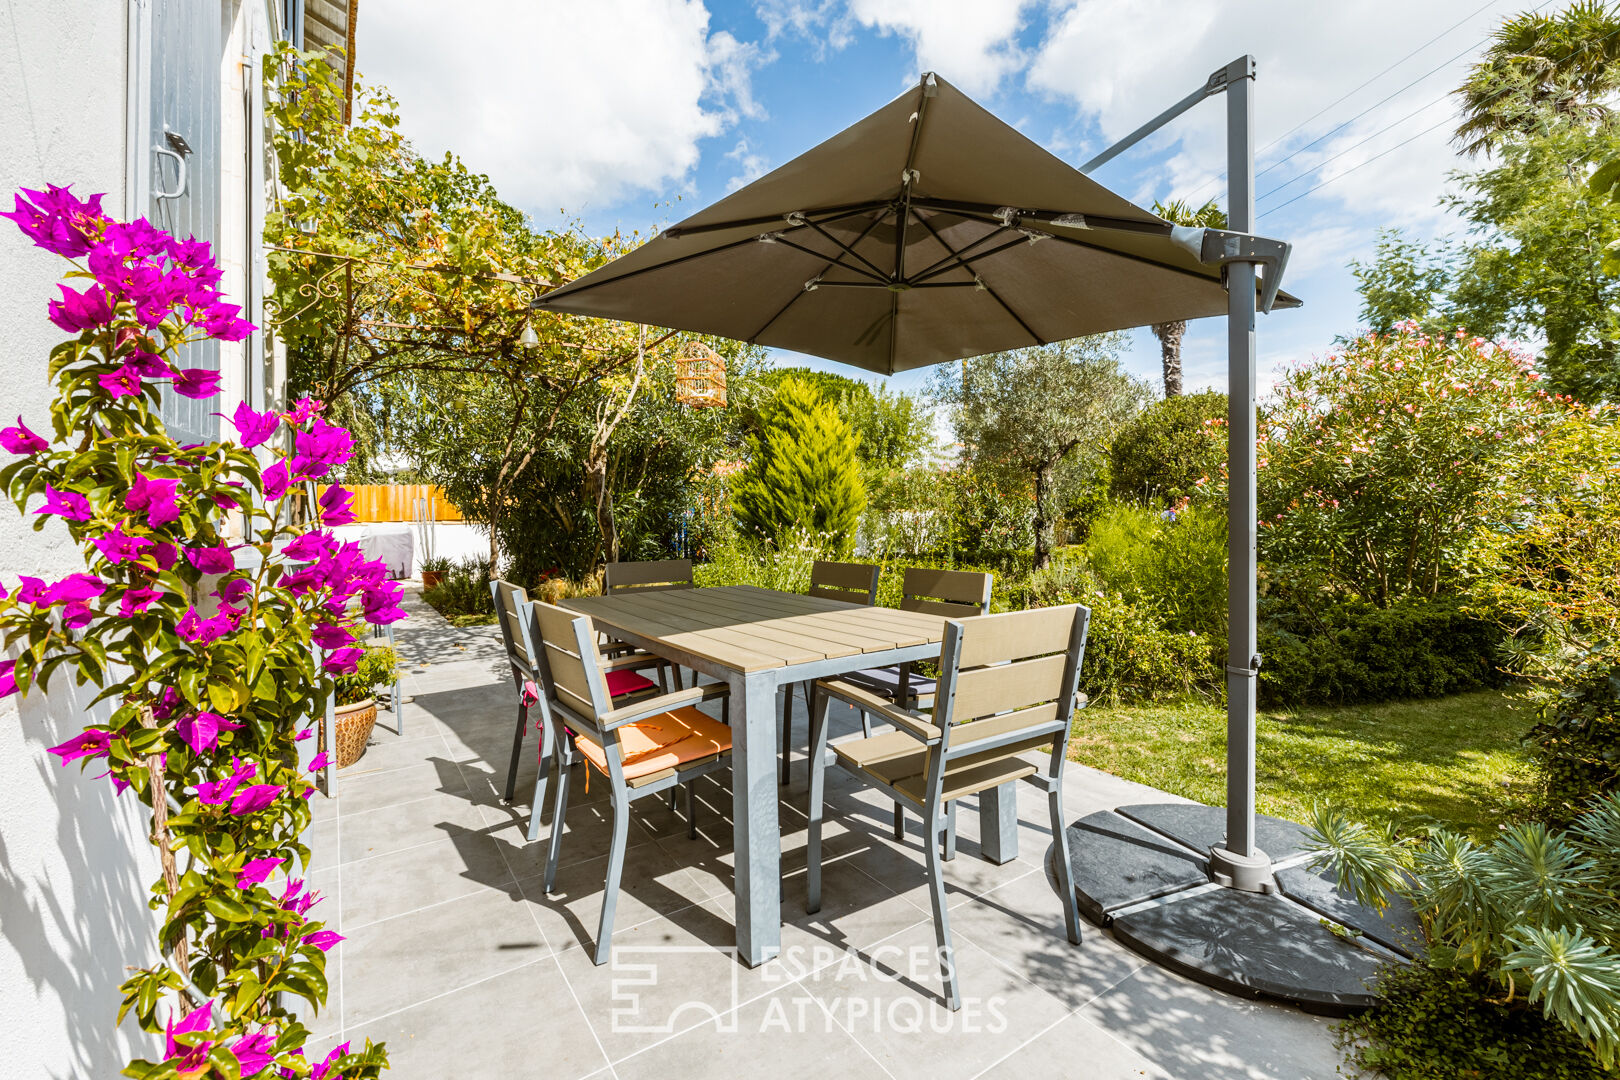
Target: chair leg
{"type": "Point", "coordinates": [558, 815]}
{"type": "Point", "coordinates": [691, 811]}
{"type": "Point", "coordinates": [547, 751]}
{"type": "Point", "coordinates": [949, 848]}
{"type": "Point", "coordinates": [816, 806]}
{"type": "Point", "coordinates": [899, 821]}
{"type": "Point", "coordinates": [615, 870]}
{"type": "Point", "coordinates": [866, 723]}
{"type": "Point", "coordinates": [932, 829]}
{"type": "Point", "coordinates": [517, 750]}
{"type": "Point", "coordinates": [1065, 872]}
{"type": "Point", "coordinates": [787, 729]}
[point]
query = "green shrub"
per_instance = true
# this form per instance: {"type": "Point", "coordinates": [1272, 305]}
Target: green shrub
{"type": "Point", "coordinates": [1432, 1024]}
{"type": "Point", "coordinates": [1131, 657]}
{"type": "Point", "coordinates": [1162, 454]}
{"type": "Point", "coordinates": [1576, 743]}
{"type": "Point", "coordinates": [376, 668]}
{"type": "Point", "coordinates": [802, 472]}
{"type": "Point", "coordinates": [463, 595]}
{"type": "Point", "coordinates": [1355, 653]}
{"type": "Point", "coordinates": [1175, 569]}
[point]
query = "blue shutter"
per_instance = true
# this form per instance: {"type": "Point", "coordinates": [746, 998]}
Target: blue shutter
{"type": "Point", "coordinates": [186, 41]}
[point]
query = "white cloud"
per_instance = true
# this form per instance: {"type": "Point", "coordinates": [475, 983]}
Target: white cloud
{"type": "Point", "coordinates": [824, 23]}
{"type": "Point", "coordinates": [1098, 55]}
{"type": "Point", "coordinates": [752, 165]}
{"type": "Point", "coordinates": [570, 103]}
{"type": "Point", "coordinates": [972, 43]}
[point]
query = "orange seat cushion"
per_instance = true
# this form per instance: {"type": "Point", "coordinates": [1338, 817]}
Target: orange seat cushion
{"type": "Point", "coordinates": [662, 742]}
{"type": "Point", "coordinates": [624, 681]}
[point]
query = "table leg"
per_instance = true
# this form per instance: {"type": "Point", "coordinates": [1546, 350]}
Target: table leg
{"type": "Point", "coordinates": [756, 836]}
{"type": "Point", "coordinates": [998, 824]}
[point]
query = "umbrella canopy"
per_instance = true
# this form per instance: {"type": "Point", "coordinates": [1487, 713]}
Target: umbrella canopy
{"type": "Point", "coordinates": [927, 232]}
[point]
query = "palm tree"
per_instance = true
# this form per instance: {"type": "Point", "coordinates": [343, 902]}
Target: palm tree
{"type": "Point", "coordinates": [1568, 61]}
{"type": "Point", "coordinates": [1180, 212]}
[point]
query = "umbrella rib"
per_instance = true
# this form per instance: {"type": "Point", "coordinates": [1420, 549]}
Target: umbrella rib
{"type": "Point", "coordinates": [870, 225]}
{"type": "Point", "coordinates": [877, 278]}
{"type": "Point", "coordinates": [1092, 221]}
{"type": "Point", "coordinates": [638, 271]}
{"type": "Point", "coordinates": [833, 213]}
{"type": "Point", "coordinates": [935, 268]}
{"type": "Point", "coordinates": [847, 248]}
{"type": "Point", "coordinates": [967, 259]}
{"type": "Point", "coordinates": [1019, 319]}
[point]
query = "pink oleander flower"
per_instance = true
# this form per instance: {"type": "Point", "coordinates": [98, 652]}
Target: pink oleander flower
{"type": "Point", "coordinates": [157, 498]}
{"type": "Point", "coordinates": [196, 383]}
{"type": "Point", "coordinates": [337, 506]}
{"type": "Point", "coordinates": [77, 312]}
{"type": "Point", "coordinates": [56, 220]}
{"type": "Point", "coordinates": [255, 871]}
{"type": "Point", "coordinates": [212, 560]}
{"type": "Point", "coordinates": [254, 797]}
{"type": "Point", "coordinates": [136, 601]}
{"type": "Point", "coordinates": [253, 428]}
{"type": "Point", "coordinates": [342, 661]}
{"type": "Point", "coordinates": [120, 547]}
{"type": "Point", "coordinates": [201, 732]}
{"type": "Point", "coordinates": [87, 744]}
{"type": "Point", "coordinates": [68, 505]}
{"type": "Point", "coordinates": [19, 440]}
{"type": "Point", "coordinates": [125, 382]}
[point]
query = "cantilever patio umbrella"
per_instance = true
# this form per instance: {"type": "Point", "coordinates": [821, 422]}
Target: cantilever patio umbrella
{"type": "Point", "coordinates": [931, 231]}
{"type": "Point", "coordinates": [928, 231]}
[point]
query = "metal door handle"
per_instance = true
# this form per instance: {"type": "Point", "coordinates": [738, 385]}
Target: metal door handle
{"type": "Point", "coordinates": [180, 160]}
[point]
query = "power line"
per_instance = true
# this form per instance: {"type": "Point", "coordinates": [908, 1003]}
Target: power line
{"type": "Point", "coordinates": [1359, 142]}
{"type": "Point", "coordinates": [1351, 169]}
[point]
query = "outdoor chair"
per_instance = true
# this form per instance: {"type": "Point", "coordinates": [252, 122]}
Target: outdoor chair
{"type": "Point", "coordinates": [658, 575]}
{"type": "Point", "coordinates": [1007, 686]}
{"type": "Point", "coordinates": [643, 747]}
{"type": "Point", "coordinates": [854, 583]}
{"type": "Point", "coordinates": [622, 675]}
{"type": "Point", "coordinates": [955, 594]}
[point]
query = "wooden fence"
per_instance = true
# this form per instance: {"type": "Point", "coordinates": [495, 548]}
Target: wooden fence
{"type": "Point", "coordinates": [397, 502]}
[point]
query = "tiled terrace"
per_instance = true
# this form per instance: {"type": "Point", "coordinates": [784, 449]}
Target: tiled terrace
{"type": "Point", "coordinates": [459, 961]}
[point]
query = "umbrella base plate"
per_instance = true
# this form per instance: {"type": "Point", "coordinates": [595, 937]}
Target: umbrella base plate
{"type": "Point", "coordinates": [1301, 941]}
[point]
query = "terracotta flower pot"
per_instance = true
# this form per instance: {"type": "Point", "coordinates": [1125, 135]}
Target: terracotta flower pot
{"type": "Point", "coordinates": [353, 724]}
{"type": "Point", "coordinates": [431, 579]}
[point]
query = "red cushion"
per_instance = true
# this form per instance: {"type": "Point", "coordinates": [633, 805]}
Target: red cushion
{"type": "Point", "coordinates": [624, 681]}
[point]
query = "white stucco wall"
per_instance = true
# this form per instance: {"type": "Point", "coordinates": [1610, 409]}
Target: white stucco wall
{"type": "Point", "coordinates": [74, 862]}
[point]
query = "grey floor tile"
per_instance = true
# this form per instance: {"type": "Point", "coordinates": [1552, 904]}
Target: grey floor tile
{"type": "Point", "coordinates": [1058, 1054]}
{"type": "Point", "coordinates": [524, 1022]}
{"type": "Point", "coordinates": [408, 824]}
{"type": "Point", "coordinates": [386, 751]}
{"type": "Point", "coordinates": [652, 885]}
{"type": "Point", "coordinates": [891, 1004]}
{"type": "Point", "coordinates": [402, 881]}
{"type": "Point", "coordinates": [785, 1035]}
{"type": "Point", "coordinates": [1191, 1031]}
{"type": "Point", "coordinates": [443, 947]}
{"type": "Point", "coordinates": [371, 791]}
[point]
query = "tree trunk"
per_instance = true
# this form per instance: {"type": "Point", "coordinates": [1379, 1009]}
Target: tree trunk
{"type": "Point", "coordinates": [1043, 524]}
{"type": "Point", "coordinates": [1169, 335]}
{"type": "Point", "coordinates": [597, 490]}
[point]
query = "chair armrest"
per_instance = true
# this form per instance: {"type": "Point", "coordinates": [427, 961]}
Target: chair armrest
{"type": "Point", "coordinates": [646, 707]}
{"type": "Point", "coordinates": [631, 660]}
{"type": "Point", "coordinates": [878, 706]}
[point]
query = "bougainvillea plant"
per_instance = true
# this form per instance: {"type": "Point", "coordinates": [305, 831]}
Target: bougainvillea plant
{"type": "Point", "coordinates": [214, 609]}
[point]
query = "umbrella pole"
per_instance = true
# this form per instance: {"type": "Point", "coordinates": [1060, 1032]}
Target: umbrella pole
{"type": "Point", "coordinates": [1239, 863]}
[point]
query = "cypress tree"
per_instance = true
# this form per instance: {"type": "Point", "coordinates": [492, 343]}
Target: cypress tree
{"type": "Point", "coordinates": [802, 471]}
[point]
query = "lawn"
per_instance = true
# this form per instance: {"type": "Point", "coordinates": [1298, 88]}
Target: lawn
{"type": "Point", "coordinates": [1456, 759]}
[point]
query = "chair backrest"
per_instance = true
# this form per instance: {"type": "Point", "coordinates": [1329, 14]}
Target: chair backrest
{"type": "Point", "coordinates": [1013, 673]}
{"type": "Point", "coordinates": [509, 603]}
{"type": "Point", "coordinates": [955, 594]}
{"type": "Point", "coordinates": [618, 577]}
{"type": "Point", "coordinates": [855, 583]}
{"type": "Point", "coordinates": [563, 643]}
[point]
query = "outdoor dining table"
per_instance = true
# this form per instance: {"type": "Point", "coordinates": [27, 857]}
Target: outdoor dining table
{"type": "Point", "coordinates": [757, 640]}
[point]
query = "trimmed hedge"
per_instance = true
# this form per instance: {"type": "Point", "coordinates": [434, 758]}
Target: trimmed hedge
{"type": "Point", "coordinates": [1356, 653]}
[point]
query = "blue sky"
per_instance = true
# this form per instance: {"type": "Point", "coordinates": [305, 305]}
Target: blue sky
{"type": "Point", "coordinates": [631, 114]}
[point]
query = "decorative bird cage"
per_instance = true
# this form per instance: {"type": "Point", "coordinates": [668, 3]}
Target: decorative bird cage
{"type": "Point", "coordinates": [700, 377]}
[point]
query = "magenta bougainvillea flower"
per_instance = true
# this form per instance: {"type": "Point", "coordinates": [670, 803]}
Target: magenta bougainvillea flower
{"type": "Point", "coordinates": [8, 678]}
{"type": "Point", "coordinates": [19, 440]}
{"type": "Point", "coordinates": [220, 321]}
{"type": "Point", "coordinates": [90, 743]}
{"type": "Point", "coordinates": [235, 590]}
{"type": "Point", "coordinates": [380, 603]}
{"type": "Point", "coordinates": [337, 506]}
{"type": "Point", "coordinates": [136, 601]}
{"type": "Point", "coordinates": [319, 762]}
{"type": "Point", "coordinates": [200, 631]}
{"type": "Point", "coordinates": [58, 221]}
{"type": "Point", "coordinates": [331, 636]}
{"type": "Point", "coordinates": [120, 547]}
{"type": "Point", "coordinates": [342, 661]}
{"type": "Point", "coordinates": [68, 505]}
{"type": "Point", "coordinates": [323, 939]}
{"type": "Point", "coordinates": [196, 382]}
{"type": "Point", "coordinates": [254, 1053]}
{"type": "Point", "coordinates": [75, 588]}
{"type": "Point", "coordinates": [32, 590]}
{"type": "Point", "coordinates": [193, 1059]}
{"type": "Point", "coordinates": [311, 545]}
{"type": "Point", "coordinates": [202, 731]}
{"type": "Point", "coordinates": [218, 792]}
{"type": "Point", "coordinates": [212, 560]}
{"type": "Point", "coordinates": [124, 382]}
{"type": "Point", "coordinates": [276, 480]}
{"type": "Point", "coordinates": [303, 409]}
{"type": "Point", "coordinates": [254, 797]}
{"type": "Point", "coordinates": [77, 312]}
{"type": "Point", "coordinates": [149, 365]}
{"type": "Point", "coordinates": [156, 497]}
{"type": "Point", "coordinates": [322, 446]}
{"type": "Point", "coordinates": [76, 614]}
{"type": "Point", "coordinates": [255, 871]}
{"type": "Point", "coordinates": [253, 428]}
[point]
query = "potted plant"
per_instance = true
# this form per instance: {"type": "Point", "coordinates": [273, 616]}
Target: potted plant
{"type": "Point", "coordinates": [355, 707]}
{"type": "Point", "coordinates": [434, 567]}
